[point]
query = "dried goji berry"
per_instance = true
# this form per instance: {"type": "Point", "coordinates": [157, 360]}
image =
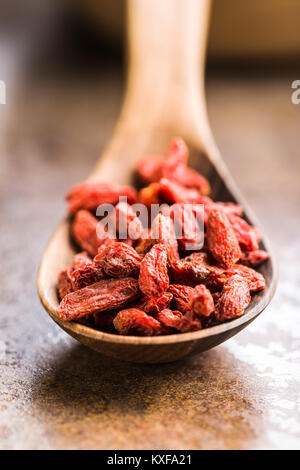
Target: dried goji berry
{"type": "Point", "coordinates": [81, 259]}
{"type": "Point", "coordinates": [255, 279]}
{"type": "Point", "coordinates": [170, 318]}
{"type": "Point", "coordinates": [149, 169]}
{"type": "Point", "coordinates": [177, 155]}
{"type": "Point", "coordinates": [145, 243]}
{"type": "Point", "coordinates": [84, 231]}
{"type": "Point", "coordinates": [254, 258]}
{"type": "Point", "coordinates": [108, 294]}
{"type": "Point", "coordinates": [230, 208]}
{"type": "Point", "coordinates": [202, 301]}
{"type": "Point", "coordinates": [187, 229]}
{"type": "Point", "coordinates": [234, 299]}
{"type": "Point", "coordinates": [182, 296]}
{"type": "Point", "coordinates": [90, 194]}
{"type": "Point", "coordinates": [174, 168]}
{"type": "Point", "coordinates": [135, 321]}
{"type": "Point", "coordinates": [191, 269]}
{"type": "Point", "coordinates": [153, 305]}
{"type": "Point", "coordinates": [183, 323]}
{"type": "Point", "coordinates": [190, 322]}
{"type": "Point", "coordinates": [246, 235]}
{"type": "Point", "coordinates": [153, 278]}
{"type": "Point", "coordinates": [150, 195]}
{"type": "Point", "coordinates": [64, 282]}
{"type": "Point", "coordinates": [127, 223]}
{"type": "Point", "coordinates": [86, 275]}
{"type": "Point", "coordinates": [119, 260]}
{"type": "Point", "coordinates": [171, 192]}
{"type": "Point", "coordinates": [221, 239]}
{"type": "Point", "coordinates": [163, 232]}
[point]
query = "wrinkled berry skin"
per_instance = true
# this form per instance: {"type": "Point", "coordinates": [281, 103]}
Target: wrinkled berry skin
{"type": "Point", "coordinates": [222, 241]}
{"type": "Point", "coordinates": [178, 321]}
{"type": "Point", "coordinates": [64, 282]}
{"type": "Point", "coordinates": [171, 318]}
{"type": "Point", "coordinates": [118, 260]}
{"type": "Point", "coordinates": [182, 296]}
{"type": "Point", "coordinates": [247, 236]}
{"type": "Point", "coordinates": [108, 294]}
{"type": "Point", "coordinates": [154, 305]}
{"type": "Point", "coordinates": [84, 232]}
{"type": "Point", "coordinates": [254, 258]}
{"type": "Point", "coordinates": [163, 232]}
{"type": "Point", "coordinates": [81, 259]}
{"type": "Point", "coordinates": [202, 301]}
{"type": "Point", "coordinates": [153, 278]}
{"type": "Point", "coordinates": [86, 275]}
{"type": "Point", "coordinates": [90, 194]}
{"type": "Point", "coordinates": [136, 322]}
{"type": "Point", "coordinates": [234, 299]}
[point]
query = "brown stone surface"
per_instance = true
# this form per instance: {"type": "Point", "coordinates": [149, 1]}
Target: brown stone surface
{"type": "Point", "coordinates": [55, 393]}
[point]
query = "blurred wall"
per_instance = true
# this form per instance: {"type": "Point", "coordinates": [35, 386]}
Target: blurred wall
{"type": "Point", "coordinates": [240, 29]}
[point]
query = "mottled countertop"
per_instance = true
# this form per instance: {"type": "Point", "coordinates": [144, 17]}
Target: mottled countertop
{"type": "Point", "coordinates": [57, 394]}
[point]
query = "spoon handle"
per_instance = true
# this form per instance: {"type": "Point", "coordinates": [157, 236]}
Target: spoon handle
{"type": "Point", "coordinates": [165, 81]}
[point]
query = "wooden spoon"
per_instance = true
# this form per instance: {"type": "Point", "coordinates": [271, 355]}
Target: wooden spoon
{"type": "Point", "coordinates": [165, 98]}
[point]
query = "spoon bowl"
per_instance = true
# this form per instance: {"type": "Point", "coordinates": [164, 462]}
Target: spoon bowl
{"type": "Point", "coordinates": [164, 98]}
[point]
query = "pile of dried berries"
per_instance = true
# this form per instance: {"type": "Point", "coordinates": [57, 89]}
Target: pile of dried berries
{"type": "Point", "coordinates": [152, 282]}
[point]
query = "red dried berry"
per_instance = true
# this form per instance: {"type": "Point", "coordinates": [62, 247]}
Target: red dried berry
{"type": "Point", "coordinates": [108, 294]}
{"type": "Point", "coordinates": [234, 299]}
{"type": "Point", "coordinates": [170, 318]}
{"type": "Point", "coordinates": [182, 296]}
{"type": "Point", "coordinates": [255, 279]}
{"type": "Point", "coordinates": [127, 223]}
{"type": "Point", "coordinates": [229, 208]}
{"type": "Point", "coordinates": [154, 279]}
{"type": "Point", "coordinates": [163, 232]}
{"type": "Point", "coordinates": [153, 305]}
{"type": "Point", "coordinates": [177, 152]}
{"type": "Point", "coordinates": [149, 169]}
{"type": "Point", "coordinates": [90, 194]}
{"type": "Point", "coordinates": [190, 322]}
{"type": "Point", "coordinates": [191, 270]}
{"type": "Point", "coordinates": [174, 168]}
{"type": "Point", "coordinates": [183, 323]}
{"type": "Point", "coordinates": [172, 192]}
{"type": "Point", "coordinates": [81, 259]}
{"type": "Point", "coordinates": [150, 195]}
{"type": "Point", "coordinates": [246, 235]}
{"type": "Point", "coordinates": [86, 275]}
{"type": "Point", "coordinates": [84, 231]}
{"type": "Point", "coordinates": [202, 301]}
{"type": "Point", "coordinates": [135, 321]}
{"type": "Point", "coordinates": [64, 282]}
{"type": "Point", "coordinates": [118, 260]}
{"type": "Point", "coordinates": [145, 243]}
{"type": "Point", "coordinates": [221, 239]}
{"type": "Point", "coordinates": [186, 226]}
{"type": "Point", "coordinates": [254, 258]}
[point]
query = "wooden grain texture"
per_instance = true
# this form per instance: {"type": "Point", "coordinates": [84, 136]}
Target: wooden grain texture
{"type": "Point", "coordinates": [174, 61]}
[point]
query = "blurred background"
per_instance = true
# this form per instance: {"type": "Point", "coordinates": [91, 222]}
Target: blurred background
{"type": "Point", "coordinates": [64, 69]}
